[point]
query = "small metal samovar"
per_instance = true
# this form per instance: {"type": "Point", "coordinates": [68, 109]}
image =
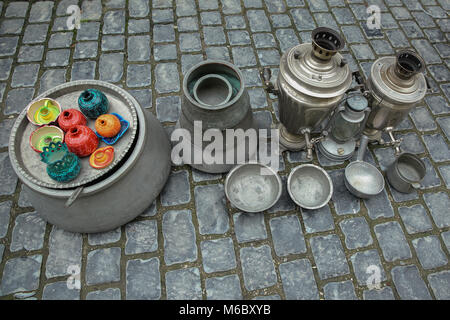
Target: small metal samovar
{"type": "Point", "coordinates": [395, 86]}
{"type": "Point", "coordinates": [312, 80]}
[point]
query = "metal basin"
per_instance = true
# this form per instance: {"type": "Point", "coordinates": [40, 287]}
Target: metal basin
{"type": "Point", "coordinates": [363, 179]}
{"type": "Point", "coordinates": [253, 187]}
{"type": "Point", "coordinates": [310, 186]}
{"type": "Point", "coordinates": [406, 172]}
{"type": "Point", "coordinates": [212, 90]}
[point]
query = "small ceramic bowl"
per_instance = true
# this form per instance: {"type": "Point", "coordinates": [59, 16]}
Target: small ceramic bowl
{"type": "Point", "coordinates": [309, 186]}
{"type": "Point", "coordinates": [253, 187]}
{"type": "Point", "coordinates": [43, 111]}
{"type": "Point", "coordinates": [43, 136]}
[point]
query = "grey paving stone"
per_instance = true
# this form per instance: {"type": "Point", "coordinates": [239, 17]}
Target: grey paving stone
{"type": "Point", "coordinates": [397, 38]}
{"type": "Point", "coordinates": [57, 58]}
{"type": "Point", "coordinates": [111, 43]}
{"type": "Point", "coordinates": [434, 35]}
{"type": "Point", "coordinates": [11, 26]}
{"type": "Point", "coordinates": [238, 37]}
{"type": "Point", "coordinates": [223, 288]}
{"type": "Point", "coordinates": [115, 4]}
{"type": "Point", "coordinates": [5, 129]}
{"type": "Point", "coordinates": [243, 56]}
{"type": "Point", "coordinates": [269, 57]}
{"type": "Point", "coordinates": [415, 218]}
{"type": "Point", "coordinates": [271, 297]}
{"type": "Point", "coordinates": [382, 294]}
{"type": "Point", "coordinates": [275, 5]}
{"type": "Point", "coordinates": [298, 280]}
{"type": "Point", "coordinates": [264, 40]}
{"type": "Point", "coordinates": [183, 284]}
{"type": "Point", "coordinates": [262, 119]}
{"type": "Point", "coordinates": [179, 237]}
{"type": "Point", "coordinates": [431, 178]}
{"type": "Point", "coordinates": [111, 67]}
{"type": "Point", "coordinates": [210, 18]}
{"type": "Point", "coordinates": [339, 291]}
{"type": "Point", "coordinates": [60, 40]}
{"type": "Point", "coordinates": [317, 220]}
{"type": "Point", "coordinates": [258, 21]}
{"type": "Point", "coordinates": [402, 197]}
{"type": "Point", "coordinates": [104, 237]}
{"type": "Point", "coordinates": [162, 15]}
{"type": "Point", "coordinates": [7, 175]}
{"type": "Point", "coordinates": [218, 255]}
{"type": "Point", "coordinates": [287, 235]}
{"type": "Point", "coordinates": [409, 284]}
{"type": "Point", "coordinates": [385, 157]}
{"type": "Point", "coordinates": [165, 52]}
{"type": "Point", "coordinates": [162, 3]}
{"type": "Point", "coordinates": [251, 77]}
{"type": "Point", "coordinates": [439, 72]}
{"type": "Point", "coordinates": [138, 8]}
{"type": "Point", "coordinates": [199, 176]}
{"type": "Point", "coordinates": [214, 35]}
{"type": "Point", "coordinates": [142, 236]}
{"type": "Point", "coordinates": [257, 267]}
{"type": "Point", "coordinates": [17, 100]}
{"type": "Point", "coordinates": [442, 48]}
{"type": "Point", "coordinates": [379, 206]}
{"type": "Point", "coordinates": [89, 31]}
{"type": "Point", "coordinates": [5, 67]}
{"type": "Point", "coordinates": [426, 50]}
{"type": "Point", "coordinates": [326, 19]}
{"type": "Point", "coordinates": [167, 79]}
{"type": "Point", "coordinates": [91, 10]}
{"type": "Point", "coordinates": [59, 24]}
{"type": "Point", "coordinates": [83, 70]}
{"type": "Point", "coordinates": [138, 75]}
{"type": "Point", "coordinates": [64, 252]}
{"type": "Point", "coordinates": [280, 20]}
{"type": "Point", "coordinates": [361, 262]}
{"type": "Point", "coordinates": [139, 48]}
{"type": "Point", "coordinates": [208, 4]}
{"type": "Point", "coordinates": [329, 256]}
{"type": "Point", "coordinates": [257, 98]}
{"type": "Point", "coordinates": [2, 248]}
{"type": "Point", "coordinates": [382, 47]}
{"type": "Point", "coordinates": [302, 19]}
{"type": "Point", "coordinates": [356, 232]}
{"type": "Point", "coordinates": [287, 38]}
{"type": "Point", "coordinates": [176, 190]}
{"type": "Point", "coordinates": [429, 252]}
{"type": "Point", "coordinates": [422, 119]}
{"type": "Point", "coordinates": [444, 123]}
{"type": "Point", "coordinates": [144, 97]}
{"type": "Point", "coordinates": [53, 77]}
{"type": "Point", "coordinates": [60, 291]}
{"type": "Point", "coordinates": [344, 201]}
{"type": "Point", "coordinates": [423, 19]}
{"type": "Point", "coordinates": [190, 42]}
{"type": "Point", "coordinates": [187, 24]}
{"type": "Point", "coordinates": [440, 282]}
{"type": "Point", "coordinates": [103, 266]}
{"type": "Point", "coordinates": [41, 11]}
{"type": "Point", "coordinates": [235, 22]}
{"type": "Point", "coordinates": [28, 232]}
{"type": "Point", "coordinates": [168, 109]}
{"type": "Point", "coordinates": [17, 9]}
{"type": "Point", "coordinates": [25, 75]}
{"type": "Point", "coordinates": [185, 8]}
{"type": "Point", "coordinates": [211, 210]}
{"type": "Point", "coordinates": [21, 274]}
{"type": "Point", "coordinates": [5, 208]}
{"type": "Point", "coordinates": [138, 26]}
{"type": "Point", "coordinates": [143, 280]}
{"type": "Point", "coordinates": [411, 29]}
{"type": "Point", "coordinates": [392, 241]}
{"type": "Point", "coordinates": [437, 147]}
{"type": "Point", "coordinates": [114, 22]}
{"type": "Point", "coordinates": [445, 172]}
{"type": "Point", "coordinates": [107, 294]}
{"type": "Point", "coordinates": [249, 226]}
{"type": "Point", "coordinates": [343, 15]}
{"type": "Point", "coordinates": [189, 60]}
{"type": "Point", "coordinates": [85, 50]}
{"type": "Point", "coordinates": [362, 52]}
{"type": "Point", "coordinates": [231, 6]}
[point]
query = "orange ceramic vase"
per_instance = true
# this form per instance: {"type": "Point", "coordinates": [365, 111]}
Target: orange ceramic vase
{"type": "Point", "coordinates": [107, 125]}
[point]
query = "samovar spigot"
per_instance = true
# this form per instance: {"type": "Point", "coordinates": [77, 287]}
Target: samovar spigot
{"type": "Point", "coordinates": [266, 75]}
{"type": "Point", "coordinates": [310, 142]}
{"type": "Point", "coordinates": [395, 143]}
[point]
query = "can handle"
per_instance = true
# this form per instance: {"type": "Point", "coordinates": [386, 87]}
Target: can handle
{"type": "Point", "coordinates": [415, 185]}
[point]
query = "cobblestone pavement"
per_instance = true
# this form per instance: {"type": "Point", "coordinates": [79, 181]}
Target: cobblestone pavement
{"type": "Point", "coordinates": [190, 243]}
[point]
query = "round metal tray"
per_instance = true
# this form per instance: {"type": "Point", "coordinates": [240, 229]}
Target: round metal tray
{"type": "Point", "coordinates": [29, 162]}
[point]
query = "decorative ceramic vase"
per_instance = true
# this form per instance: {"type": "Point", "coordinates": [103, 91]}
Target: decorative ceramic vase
{"type": "Point", "coordinates": [81, 140]}
{"type": "Point", "coordinates": [107, 125]}
{"type": "Point", "coordinates": [124, 125]}
{"type": "Point", "coordinates": [62, 165]}
{"type": "Point", "coordinates": [43, 136]}
{"type": "Point", "coordinates": [102, 157]}
{"type": "Point", "coordinates": [69, 118]}
{"type": "Point", "coordinates": [93, 103]}
{"type": "Point", "coordinates": [43, 111]}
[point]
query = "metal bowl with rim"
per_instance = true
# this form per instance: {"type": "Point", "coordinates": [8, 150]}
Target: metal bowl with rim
{"type": "Point", "coordinates": [253, 187]}
{"type": "Point", "coordinates": [309, 186]}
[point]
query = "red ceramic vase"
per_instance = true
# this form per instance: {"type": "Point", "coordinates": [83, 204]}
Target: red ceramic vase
{"type": "Point", "coordinates": [69, 118]}
{"type": "Point", "coordinates": [81, 140]}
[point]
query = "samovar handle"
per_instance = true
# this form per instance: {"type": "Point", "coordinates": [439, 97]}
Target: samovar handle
{"type": "Point", "coordinates": [266, 74]}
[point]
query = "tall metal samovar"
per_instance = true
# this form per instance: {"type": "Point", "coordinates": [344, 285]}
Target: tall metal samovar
{"type": "Point", "coordinates": [313, 78]}
{"type": "Point", "coordinates": [395, 86]}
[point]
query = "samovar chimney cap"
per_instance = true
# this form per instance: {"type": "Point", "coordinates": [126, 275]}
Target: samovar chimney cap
{"type": "Point", "coordinates": [408, 63]}
{"type": "Point", "coordinates": [326, 42]}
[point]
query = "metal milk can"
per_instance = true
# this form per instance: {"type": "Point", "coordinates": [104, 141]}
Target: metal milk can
{"type": "Point", "coordinates": [312, 80]}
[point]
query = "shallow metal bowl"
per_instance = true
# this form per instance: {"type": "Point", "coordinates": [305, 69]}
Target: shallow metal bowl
{"type": "Point", "coordinates": [310, 186]}
{"type": "Point", "coordinates": [253, 187]}
{"type": "Point", "coordinates": [363, 179]}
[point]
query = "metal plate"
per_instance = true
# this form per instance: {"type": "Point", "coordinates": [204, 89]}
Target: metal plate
{"type": "Point", "coordinates": [29, 162]}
